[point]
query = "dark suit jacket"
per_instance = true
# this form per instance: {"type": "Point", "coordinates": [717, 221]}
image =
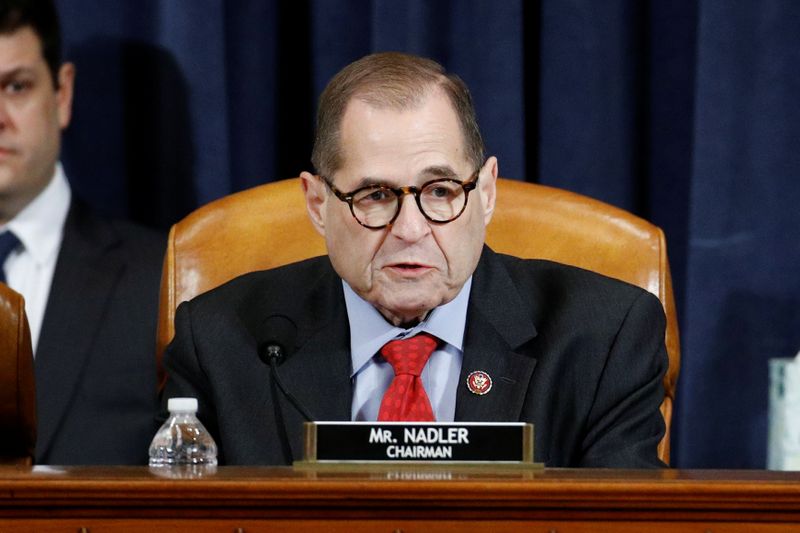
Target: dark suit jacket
{"type": "Point", "coordinates": [579, 355]}
{"type": "Point", "coordinates": [95, 362]}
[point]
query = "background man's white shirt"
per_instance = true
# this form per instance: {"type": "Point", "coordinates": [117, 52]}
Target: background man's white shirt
{"type": "Point", "coordinates": [40, 229]}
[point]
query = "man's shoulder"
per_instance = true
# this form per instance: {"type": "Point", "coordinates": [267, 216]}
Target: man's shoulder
{"type": "Point", "coordinates": [84, 227]}
{"type": "Point", "coordinates": [561, 273]}
{"type": "Point", "coordinates": [286, 284]}
{"type": "Point", "coordinates": [550, 281]}
{"type": "Point", "coordinates": [117, 257]}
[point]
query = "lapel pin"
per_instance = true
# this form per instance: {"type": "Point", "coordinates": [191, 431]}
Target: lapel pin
{"type": "Point", "coordinates": [479, 382]}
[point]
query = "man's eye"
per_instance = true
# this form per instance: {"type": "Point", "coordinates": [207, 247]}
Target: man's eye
{"type": "Point", "coordinates": [440, 192]}
{"type": "Point", "coordinates": [17, 86]}
{"type": "Point", "coordinates": [378, 195]}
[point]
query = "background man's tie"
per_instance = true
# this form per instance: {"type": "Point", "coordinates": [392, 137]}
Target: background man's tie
{"type": "Point", "coordinates": [405, 399]}
{"type": "Point", "coordinates": [8, 242]}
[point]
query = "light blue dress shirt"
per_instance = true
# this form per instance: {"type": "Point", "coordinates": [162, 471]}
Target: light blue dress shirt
{"type": "Point", "coordinates": [371, 374]}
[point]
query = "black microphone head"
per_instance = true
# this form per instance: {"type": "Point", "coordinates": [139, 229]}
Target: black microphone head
{"type": "Point", "coordinates": [276, 338]}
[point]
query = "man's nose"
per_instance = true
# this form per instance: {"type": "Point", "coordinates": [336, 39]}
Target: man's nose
{"type": "Point", "coordinates": [410, 224]}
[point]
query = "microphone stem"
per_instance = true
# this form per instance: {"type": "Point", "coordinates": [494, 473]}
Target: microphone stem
{"type": "Point", "coordinates": [273, 364]}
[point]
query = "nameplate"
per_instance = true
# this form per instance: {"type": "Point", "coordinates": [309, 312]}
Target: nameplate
{"type": "Point", "coordinates": [400, 442]}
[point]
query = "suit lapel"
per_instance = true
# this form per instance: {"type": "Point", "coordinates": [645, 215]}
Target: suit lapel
{"type": "Point", "coordinates": [317, 374]}
{"type": "Point", "coordinates": [84, 278]}
{"type": "Point", "coordinates": [498, 327]}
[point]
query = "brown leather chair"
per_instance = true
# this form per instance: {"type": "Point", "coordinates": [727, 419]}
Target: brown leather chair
{"type": "Point", "coordinates": [267, 226]}
{"type": "Point", "coordinates": [17, 392]}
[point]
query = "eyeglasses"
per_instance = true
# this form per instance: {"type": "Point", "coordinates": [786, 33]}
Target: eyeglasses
{"type": "Point", "coordinates": [377, 206]}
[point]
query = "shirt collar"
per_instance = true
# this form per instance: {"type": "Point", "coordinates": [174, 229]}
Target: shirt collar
{"type": "Point", "coordinates": [369, 330]}
{"type": "Point", "coordinates": [34, 225]}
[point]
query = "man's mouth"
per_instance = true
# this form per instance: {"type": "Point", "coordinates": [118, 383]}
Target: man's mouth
{"type": "Point", "coordinates": [409, 268]}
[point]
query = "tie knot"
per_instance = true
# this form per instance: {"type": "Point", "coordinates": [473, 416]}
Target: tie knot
{"type": "Point", "coordinates": [8, 242]}
{"type": "Point", "coordinates": [409, 356]}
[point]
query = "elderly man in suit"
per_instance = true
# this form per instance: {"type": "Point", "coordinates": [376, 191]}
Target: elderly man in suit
{"type": "Point", "coordinates": [90, 284]}
{"type": "Point", "coordinates": [410, 316]}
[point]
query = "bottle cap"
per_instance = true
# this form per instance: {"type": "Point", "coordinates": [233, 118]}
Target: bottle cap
{"type": "Point", "coordinates": [182, 405]}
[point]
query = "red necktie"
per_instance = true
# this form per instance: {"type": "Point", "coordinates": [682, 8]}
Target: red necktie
{"type": "Point", "coordinates": [405, 399]}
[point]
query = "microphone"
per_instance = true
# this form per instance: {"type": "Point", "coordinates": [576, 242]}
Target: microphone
{"type": "Point", "coordinates": [278, 335]}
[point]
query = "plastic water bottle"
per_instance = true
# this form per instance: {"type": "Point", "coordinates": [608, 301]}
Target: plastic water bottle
{"type": "Point", "coordinates": [182, 440]}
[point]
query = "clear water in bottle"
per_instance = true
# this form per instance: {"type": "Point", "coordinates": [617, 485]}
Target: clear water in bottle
{"type": "Point", "coordinates": [182, 440]}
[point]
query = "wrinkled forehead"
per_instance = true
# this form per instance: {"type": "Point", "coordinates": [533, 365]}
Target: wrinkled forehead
{"type": "Point", "coordinates": [388, 140]}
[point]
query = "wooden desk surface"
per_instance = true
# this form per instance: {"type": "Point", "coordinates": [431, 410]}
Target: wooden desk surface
{"type": "Point", "coordinates": [250, 499]}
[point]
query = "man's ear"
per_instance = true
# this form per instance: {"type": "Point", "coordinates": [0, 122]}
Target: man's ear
{"type": "Point", "coordinates": [316, 196]}
{"type": "Point", "coordinates": [487, 187]}
{"type": "Point", "coordinates": [66, 84]}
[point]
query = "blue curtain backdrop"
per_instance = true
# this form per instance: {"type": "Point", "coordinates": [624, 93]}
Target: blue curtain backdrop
{"type": "Point", "coordinates": [686, 113]}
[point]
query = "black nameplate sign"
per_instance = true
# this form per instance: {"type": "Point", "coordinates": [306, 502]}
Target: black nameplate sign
{"type": "Point", "coordinates": [392, 442]}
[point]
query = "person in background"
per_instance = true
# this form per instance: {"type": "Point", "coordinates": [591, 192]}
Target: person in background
{"type": "Point", "coordinates": [410, 316]}
{"type": "Point", "coordinates": [90, 284]}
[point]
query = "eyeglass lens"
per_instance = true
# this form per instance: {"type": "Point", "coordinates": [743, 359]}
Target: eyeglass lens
{"type": "Point", "coordinates": [440, 201]}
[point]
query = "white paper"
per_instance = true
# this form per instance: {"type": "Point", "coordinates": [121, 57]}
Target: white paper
{"type": "Point", "coordinates": [790, 443]}
{"type": "Point", "coordinates": [783, 450]}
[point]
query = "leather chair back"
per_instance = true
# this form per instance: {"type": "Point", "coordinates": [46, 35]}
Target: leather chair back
{"type": "Point", "coordinates": [17, 391]}
{"type": "Point", "coordinates": [267, 226]}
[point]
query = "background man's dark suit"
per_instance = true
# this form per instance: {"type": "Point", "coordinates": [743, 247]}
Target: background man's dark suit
{"type": "Point", "coordinates": [573, 352]}
{"type": "Point", "coordinates": [95, 362]}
